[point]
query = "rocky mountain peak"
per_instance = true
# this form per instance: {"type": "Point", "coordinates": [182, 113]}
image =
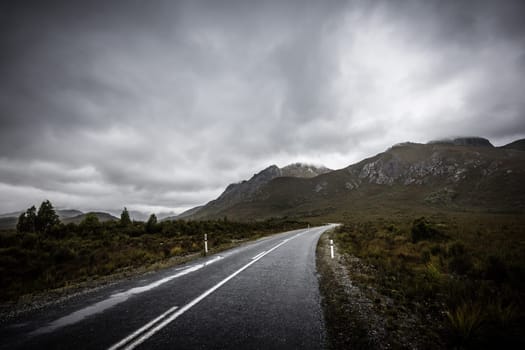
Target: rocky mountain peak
{"type": "Point", "coordinates": [303, 170]}
{"type": "Point", "coordinates": [247, 189]}
{"type": "Point", "coordinates": [267, 174]}
{"type": "Point", "coordinates": [431, 163]}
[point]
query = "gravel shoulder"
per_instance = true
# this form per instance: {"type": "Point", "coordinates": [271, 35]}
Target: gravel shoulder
{"type": "Point", "coordinates": [357, 316]}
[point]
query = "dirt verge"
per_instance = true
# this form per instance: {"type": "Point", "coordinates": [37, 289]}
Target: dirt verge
{"type": "Point", "coordinates": [357, 316]}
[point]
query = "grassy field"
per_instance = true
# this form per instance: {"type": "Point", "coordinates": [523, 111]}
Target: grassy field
{"type": "Point", "coordinates": [71, 254]}
{"type": "Point", "coordinates": [462, 273]}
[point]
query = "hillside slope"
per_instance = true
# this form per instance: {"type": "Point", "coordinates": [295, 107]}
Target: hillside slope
{"type": "Point", "coordinates": [102, 217]}
{"type": "Point", "coordinates": [460, 174]}
{"type": "Point", "coordinates": [9, 220]}
{"type": "Point", "coordinates": [518, 145]}
{"type": "Point", "coordinates": [246, 190]}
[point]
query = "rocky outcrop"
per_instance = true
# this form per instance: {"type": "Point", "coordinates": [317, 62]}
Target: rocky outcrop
{"type": "Point", "coordinates": [245, 190]}
{"type": "Point", "coordinates": [409, 164]}
{"type": "Point", "coordinates": [465, 172]}
{"type": "Point", "coordinates": [241, 191]}
{"type": "Point", "coordinates": [303, 170]}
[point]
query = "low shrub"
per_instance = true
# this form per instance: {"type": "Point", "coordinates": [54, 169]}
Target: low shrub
{"type": "Point", "coordinates": [176, 250]}
{"type": "Point", "coordinates": [422, 229]}
{"type": "Point", "coordinates": [495, 269]}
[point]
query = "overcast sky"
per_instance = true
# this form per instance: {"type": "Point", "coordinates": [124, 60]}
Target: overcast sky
{"type": "Point", "coordinates": [158, 105]}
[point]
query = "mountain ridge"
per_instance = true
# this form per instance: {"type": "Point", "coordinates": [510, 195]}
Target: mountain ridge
{"type": "Point", "coordinates": [462, 173]}
{"type": "Point", "coordinates": [444, 169]}
{"type": "Point", "coordinates": [247, 189]}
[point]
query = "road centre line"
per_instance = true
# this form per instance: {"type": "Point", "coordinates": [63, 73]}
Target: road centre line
{"type": "Point", "coordinates": [258, 255]}
{"type": "Point", "coordinates": [191, 304]}
{"type": "Point", "coordinates": [143, 329]}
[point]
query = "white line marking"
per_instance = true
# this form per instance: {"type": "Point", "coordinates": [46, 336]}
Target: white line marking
{"type": "Point", "coordinates": [115, 299]}
{"type": "Point", "coordinates": [190, 269]}
{"type": "Point", "coordinates": [258, 255]}
{"type": "Point", "coordinates": [142, 329]}
{"type": "Point", "coordinates": [195, 301]}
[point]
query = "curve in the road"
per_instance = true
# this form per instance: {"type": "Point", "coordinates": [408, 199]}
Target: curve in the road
{"type": "Point", "coordinates": [261, 295]}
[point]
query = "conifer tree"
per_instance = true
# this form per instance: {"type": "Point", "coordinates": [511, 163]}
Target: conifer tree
{"type": "Point", "coordinates": [26, 221]}
{"type": "Point", "coordinates": [46, 218]}
{"type": "Point", "coordinates": [151, 224]}
{"type": "Point", "coordinates": [124, 218]}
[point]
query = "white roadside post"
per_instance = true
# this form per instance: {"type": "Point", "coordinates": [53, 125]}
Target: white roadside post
{"type": "Point", "coordinates": [205, 244]}
{"type": "Point", "coordinates": [332, 248]}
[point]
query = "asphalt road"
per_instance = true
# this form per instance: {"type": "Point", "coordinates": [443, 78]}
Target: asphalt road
{"type": "Point", "coordinates": [263, 295]}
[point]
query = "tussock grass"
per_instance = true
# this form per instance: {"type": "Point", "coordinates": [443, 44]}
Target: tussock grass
{"type": "Point", "coordinates": [462, 272]}
{"type": "Point", "coordinates": [465, 319]}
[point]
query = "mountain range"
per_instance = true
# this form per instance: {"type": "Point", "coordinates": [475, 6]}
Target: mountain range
{"type": "Point", "coordinates": [9, 220]}
{"type": "Point", "coordinates": [246, 190]}
{"type": "Point", "coordinates": [466, 173]}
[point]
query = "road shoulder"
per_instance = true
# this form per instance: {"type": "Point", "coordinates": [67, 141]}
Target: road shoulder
{"type": "Point", "coordinates": [357, 316]}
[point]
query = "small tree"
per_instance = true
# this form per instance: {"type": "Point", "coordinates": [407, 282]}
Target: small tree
{"type": "Point", "coordinates": [90, 224]}
{"type": "Point", "coordinates": [26, 221]}
{"type": "Point", "coordinates": [46, 218]}
{"type": "Point", "coordinates": [151, 225]}
{"type": "Point", "coordinates": [422, 229]}
{"type": "Point", "coordinates": [124, 218]}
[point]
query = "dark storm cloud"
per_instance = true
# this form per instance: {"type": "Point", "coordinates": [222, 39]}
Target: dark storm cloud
{"type": "Point", "coordinates": [160, 104]}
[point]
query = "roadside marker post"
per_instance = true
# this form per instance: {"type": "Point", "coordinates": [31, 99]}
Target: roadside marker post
{"type": "Point", "coordinates": [332, 248]}
{"type": "Point", "coordinates": [205, 244]}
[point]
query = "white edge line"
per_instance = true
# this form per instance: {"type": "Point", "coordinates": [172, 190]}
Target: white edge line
{"type": "Point", "coordinates": [211, 261]}
{"type": "Point", "coordinates": [195, 301]}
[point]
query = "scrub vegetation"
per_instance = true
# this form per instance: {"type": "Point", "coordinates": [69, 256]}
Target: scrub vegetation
{"type": "Point", "coordinates": [461, 274]}
{"type": "Point", "coordinates": [44, 253]}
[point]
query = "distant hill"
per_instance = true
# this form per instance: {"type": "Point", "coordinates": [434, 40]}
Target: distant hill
{"type": "Point", "coordinates": [138, 215]}
{"type": "Point", "coordinates": [68, 213]}
{"type": "Point", "coordinates": [518, 145]}
{"type": "Point", "coordinates": [165, 214]}
{"type": "Point", "coordinates": [9, 220]}
{"type": "Point", "coordinates": [463, 173]}
{"type": "Point", "coordinates": [102, 217]}
{"type": "Point", "coordinates": [246, 190]}
{"type": "Point", "coordinates": [186, 214]}
{"type": "Point", "coordinates": [14, 214]}
{"type": "Point", "coordinates": [62, 213]}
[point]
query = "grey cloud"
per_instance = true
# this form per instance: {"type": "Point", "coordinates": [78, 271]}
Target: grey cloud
{"type": "Point", "coordinates": [166, 102]}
